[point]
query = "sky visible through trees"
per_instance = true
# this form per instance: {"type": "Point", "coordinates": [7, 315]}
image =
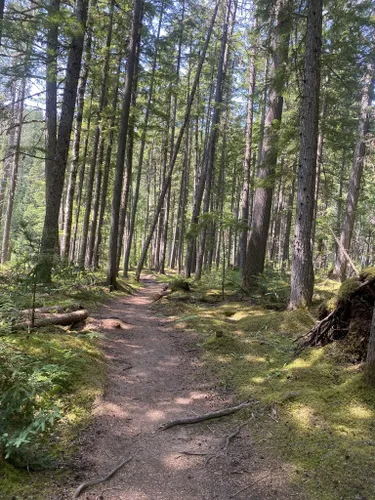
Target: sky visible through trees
{"type": "Point", "coordinates": [169, 135]}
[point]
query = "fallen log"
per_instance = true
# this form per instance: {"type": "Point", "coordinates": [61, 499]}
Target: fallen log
{"type": "Point", "coordinates": [208, 416]}
{"type": "Point", "coordinates": [46, 319]}
{"type": "Point", "coordinates": [51, 309]}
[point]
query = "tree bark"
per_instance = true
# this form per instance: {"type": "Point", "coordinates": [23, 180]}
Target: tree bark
{"type": "Point", "coordinates": [216, 118]}
{"type": "Point", "coordinates": [75, 155]}
{"type": "Point", "coordinates": [177, 146]}
{"type": "Point", "coordinates": [302, 280]}
{"type": "Point", "coordinates": [107, 165]}
{"type": "Point", "coordinates": [56, 165]}
{"type": "Point", "coordinates": [256, 250]}
{"type": "Point", "coordinates": [244, 202]}
{"type": "Point", "coordinates": [5, 253]}
{"type": "Point", "coordinates": [356, 174]}
{"type": "Point", "coordinates": [120, 159]}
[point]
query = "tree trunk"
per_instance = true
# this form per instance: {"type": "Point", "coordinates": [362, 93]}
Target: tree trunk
{"type": "Point", "coordinates": [256, 251]}
{"type": "Point", "coordinates": [65, 250]}
{"type": "Point", "coordinates": [81, 178]}
{"type": "Point", "coordinates": [302, 280]}
{"type": "Point", "coordinates": [142, 151]}
{"type": "Point", "coordinates": [107, 165]}
{"type": "Point", "coordinates": [5, 254]}
{"type": "Point", "coordinates": [56, 165]}
{"type": "Point", "coordinates": [176, 149]}
{"type": "Point", "coordinates": [89, 226]}
{"type": "Point", "coordinates": [120, 159]}
{"type": "Point", "coordinates": [9, 154]}
{"type": "Point", "coordinates": [244, 203]}
{"type": "Point", "coordinates": [356, 174]}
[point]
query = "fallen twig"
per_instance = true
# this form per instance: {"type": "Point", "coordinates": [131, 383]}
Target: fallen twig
{"type": "Point", "coordinates": [207, 416]}
{"type": "Point", "coordinates": [193, 453]}
{"type": "Point", "coordinates": [99, 480]}
{"type": "Point", "coordinates": [232, 435]}
{"type": "Point", "coordinates": [250, 485]}
{"type": "Point", "coordinates": [226, 441]}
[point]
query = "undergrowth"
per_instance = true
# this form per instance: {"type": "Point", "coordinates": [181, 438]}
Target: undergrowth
{"type": "Point", "coordinates": [49, 379]}
{"type": "Point", "coordinates": [316, 411]}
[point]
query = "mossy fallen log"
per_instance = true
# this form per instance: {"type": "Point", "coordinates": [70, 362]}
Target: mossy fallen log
{"type": "Point", "coordinates": [346, 316]}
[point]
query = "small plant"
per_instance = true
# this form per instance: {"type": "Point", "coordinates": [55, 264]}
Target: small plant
{"type": "Point", "coordinates": [27, 408]}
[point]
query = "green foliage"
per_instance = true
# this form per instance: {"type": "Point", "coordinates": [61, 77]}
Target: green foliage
{"type": "Point", "coordinates": [28, 409]}
{"type": "Point", "coordinates": [43, 372]}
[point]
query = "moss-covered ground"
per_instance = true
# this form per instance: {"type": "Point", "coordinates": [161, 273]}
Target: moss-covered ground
{"type": "Point", "coordinates": [315, 412]}
{"type": "Point", "coordinates": [66, 369]}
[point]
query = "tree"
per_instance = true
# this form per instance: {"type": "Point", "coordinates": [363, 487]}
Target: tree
{"type": "Point", "coordinates": [57, 150]}
{"type": "Point", "coordinates": [116, 200]}
{"type": "Point", "coordinates": [356, 173]}
{"type": "Point", "coordinates": [302, 280]}
{"type": "Point", "coordinates": [256, 250]}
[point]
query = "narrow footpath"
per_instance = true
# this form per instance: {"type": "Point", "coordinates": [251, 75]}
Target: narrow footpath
{"type": "Point", "coordinates": [155, 375]}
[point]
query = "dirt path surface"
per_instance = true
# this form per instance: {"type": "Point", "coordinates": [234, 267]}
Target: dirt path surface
{"type": "Point", "coordinates": [155, 375]}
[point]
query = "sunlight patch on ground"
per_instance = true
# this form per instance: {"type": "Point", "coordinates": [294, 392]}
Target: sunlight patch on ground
{"type": "Point", "coordinates": [361, 412]}
{"type": "Point", "coordinates": [155, 415]}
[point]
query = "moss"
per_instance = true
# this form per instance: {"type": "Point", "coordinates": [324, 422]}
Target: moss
{"type": "Point", "coordinates": [325, 409]}
{"type": "Point", "coordinates": [367, 273]}
{"type": "Point", "coordinates": [347, 288]}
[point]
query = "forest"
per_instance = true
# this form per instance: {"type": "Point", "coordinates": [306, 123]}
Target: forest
{"type": "Point", "coordinates": [193, 176]}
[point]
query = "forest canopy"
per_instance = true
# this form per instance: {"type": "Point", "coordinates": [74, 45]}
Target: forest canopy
{"type": "Point", "coordinates": [188, 135]}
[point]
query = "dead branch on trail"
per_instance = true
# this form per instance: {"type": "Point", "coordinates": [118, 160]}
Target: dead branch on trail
{"type": "Point", "coordinates": [99, 480]}
{"type": "Point", "coordinates": [207, 416]}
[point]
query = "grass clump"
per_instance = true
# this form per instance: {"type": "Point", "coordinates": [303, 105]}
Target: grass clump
{"type": "Point", "coordinates": [325, 410]}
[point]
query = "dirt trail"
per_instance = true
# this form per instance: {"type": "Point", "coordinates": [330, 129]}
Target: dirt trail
{"type": "Point", "coordinates": [155, 375]}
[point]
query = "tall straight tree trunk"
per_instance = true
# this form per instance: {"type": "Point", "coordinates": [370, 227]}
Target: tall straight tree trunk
{"type": "Point", "coordinates": [142, 150]}
{"type": "Point", "coordinates": [75, 154]}
{"type": "Point", "coordinates": [50, 239]}
{"type": "Point", "coordinates": [319, 161]}
{"type": "Point", "coordinates": [244, 203]}
{"type": "Point", "coordinates": [356, 174]}
{"type": "Point", "coordinates": [302, 280]}
{"type": "Point", "coordinates": [129, 163]}
{"type": "Point", "coordinates": [2, 5]}
{"type": "Point", "coordinates": [163, 246]}
{"type": "Point", "coordinates": [107, 165]}
{"type": "Point", "coordinates": [256, 250]}
{"type": "Point", "coordinates": [216, 119]}
{"type": "Point", "coordinates": [81, 178]}
{"type": "Point", "coordinates": [88, 228]}
{"type": "Point", "coordinates": [285, 260]}
{"type": "Point", "coordinates": [5, 254]}
{"type": "Point", "coordinates": [120, 159]}
{"type": "Point", "coordinates": [55, 170]}
{"type": "Point", "coordinates": [9, 154]}
{"type": "Point", "coordinates": [176, 149]}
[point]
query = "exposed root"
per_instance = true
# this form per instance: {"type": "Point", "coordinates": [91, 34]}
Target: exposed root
{"type": "Point", "coordinates": [99, 480]}
{"type": "Point", "coordinates": [352, 313]}
{"type": "Point", "coordinates": [207, 416]}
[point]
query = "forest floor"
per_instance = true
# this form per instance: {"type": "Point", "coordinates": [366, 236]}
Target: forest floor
{"type": "Point", "coordinates": [307, 433]}
{"type": "Point", "coordinates": [156, 374]}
